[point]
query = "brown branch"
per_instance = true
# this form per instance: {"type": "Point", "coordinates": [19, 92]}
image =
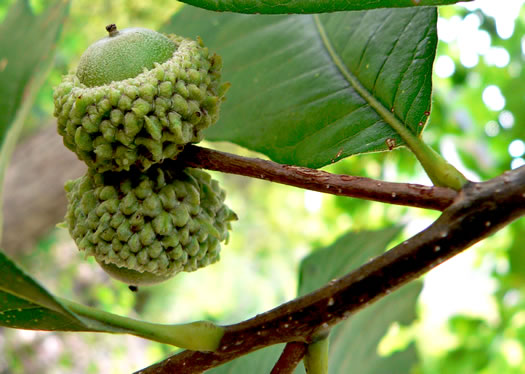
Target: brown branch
{"type": "Point", "coordinates": [414, 195]}
{"type": "Point", "coordinates": [480, 210]}
{"type": "Point", "coordinates": [292, 354]}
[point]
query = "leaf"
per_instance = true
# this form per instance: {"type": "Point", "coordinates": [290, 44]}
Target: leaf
{"type": "Point", "coordinates": [347, 253]}
{"type": "Point", "coordinates": [258, 362]}
{"type": "Point", "coordinates": [353, 343]}
{"type": "Point", "coordinates": [311, 89]}
{"type": "Point", "coordinates": [27, 45]}
{"type": "Point", "coordinates": [25, 304]}
{"type": "Point", "coordinates": [308, 6]}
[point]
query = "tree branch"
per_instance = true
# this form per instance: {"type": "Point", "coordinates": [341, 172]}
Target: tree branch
{"type": "Point", "coordinates": [292, 354]}
{"type": "Point", "coordinates": [415, 195]}
{"type": "Point", "coordinates": [480, 210]}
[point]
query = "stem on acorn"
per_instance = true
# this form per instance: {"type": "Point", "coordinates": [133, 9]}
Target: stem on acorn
{"type": "Point", "coordinates": [112, 29]}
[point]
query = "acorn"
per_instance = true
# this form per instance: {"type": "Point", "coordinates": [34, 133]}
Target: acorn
{"type": "Point", "coordinates": [137, 98]}
{"type": "Point", "coordinates": [145, 227]}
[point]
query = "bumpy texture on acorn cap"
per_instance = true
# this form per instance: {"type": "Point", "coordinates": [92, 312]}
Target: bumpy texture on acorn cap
{"type": "Point", "coordinates": [144, 228]}
{"type": "Point", "coordinates": [144, 119]}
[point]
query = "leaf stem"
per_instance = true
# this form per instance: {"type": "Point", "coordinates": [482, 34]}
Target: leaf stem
{"type": "Point", "coordinates": [197, 336]}
{"type": "Point", "coordinates": [316, 358]}
{"type": "Point", "coordinates": [440, 172]}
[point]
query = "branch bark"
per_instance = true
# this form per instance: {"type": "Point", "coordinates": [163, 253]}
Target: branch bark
{"type": "Point", "coordinates": [479, 210]}
{"type": "Point", "coordinates": [415, 195]}
{"type": "Point", "coordinates": [292, 354]}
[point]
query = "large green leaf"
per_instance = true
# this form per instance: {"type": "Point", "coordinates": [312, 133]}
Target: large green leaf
{"type": "Point", "coordinates": [308, 6]}
{"type": "Point", "coordinates": [27, 45]}
{"type": "Point", "coordinates": [311, 89]}
{"type": "Point", "coordinates": [353, 343]}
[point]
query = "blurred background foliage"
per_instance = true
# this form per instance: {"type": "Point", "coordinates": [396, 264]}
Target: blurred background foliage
{"type": "Point", "coordinates": [471, 313]}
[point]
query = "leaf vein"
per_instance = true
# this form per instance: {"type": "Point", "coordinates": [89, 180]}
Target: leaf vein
{"type": "Point", "coordinates": [406, 70]}
{"type": "Point", "coordinates": [316, 132]}
{"type": "Point", "coordinates": [389, 54]}
{"type": "Point", "coordinates": [370, 38]}
{"type": "Point", "coordinates": [421, 86]}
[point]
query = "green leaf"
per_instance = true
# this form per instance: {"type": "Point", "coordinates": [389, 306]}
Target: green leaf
{"type": "Point", "coordinates": [347, 253]}
{"type": "Point", "coordinates": [308, 6]}
{"type": "Point", "coordinates": [353, 343]}
{"type": "Point", "coordinates": [27, 45]}
{"type": "Point", "coordinates": [27, 305]}
{"type": "Point", "coordinates": [311, 89]}
{"type": "Point", "coordinates": [258, 362]}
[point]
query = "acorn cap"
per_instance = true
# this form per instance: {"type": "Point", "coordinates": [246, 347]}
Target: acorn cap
{"type": "Point", "coordinates": [144, 228]}
{"type": "Point", "coordinates": [140, 121]}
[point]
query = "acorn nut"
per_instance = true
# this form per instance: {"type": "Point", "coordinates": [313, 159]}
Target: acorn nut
{"type": "Point", "coordinates": [137, 98]}
{"type": "Point", "coordinates": [143, 228]}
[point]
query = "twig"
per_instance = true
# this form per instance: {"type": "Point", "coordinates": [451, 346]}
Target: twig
{"type": "Point", "coordinates": [480, 210]}
{"type": "Point", "coordinates": [415, 195]}
{"type": "Point", "coordinates": [292, 354]}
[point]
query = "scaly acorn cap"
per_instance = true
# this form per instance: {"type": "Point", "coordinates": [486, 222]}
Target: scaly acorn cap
{"type": "Point", "coordinates": [144, 228]}
{"type": "Point", "coordinates": [113, 121]}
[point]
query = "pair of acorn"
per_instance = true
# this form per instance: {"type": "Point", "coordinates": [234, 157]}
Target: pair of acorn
{"type": "Point", "coordinates": [137, 98]}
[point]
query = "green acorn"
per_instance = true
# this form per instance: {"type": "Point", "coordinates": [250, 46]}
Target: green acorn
{"type": "Point", "coordinates": [144, 228]}
{"type": "Point", "coordinates": [137, 98]}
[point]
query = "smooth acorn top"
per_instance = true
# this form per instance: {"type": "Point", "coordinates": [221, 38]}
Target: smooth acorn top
{"type": "Point", "coordinates": [123, 54]}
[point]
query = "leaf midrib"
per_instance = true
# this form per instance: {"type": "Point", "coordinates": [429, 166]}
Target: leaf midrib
{"type": "Point", "coordinates": [375, 104]}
